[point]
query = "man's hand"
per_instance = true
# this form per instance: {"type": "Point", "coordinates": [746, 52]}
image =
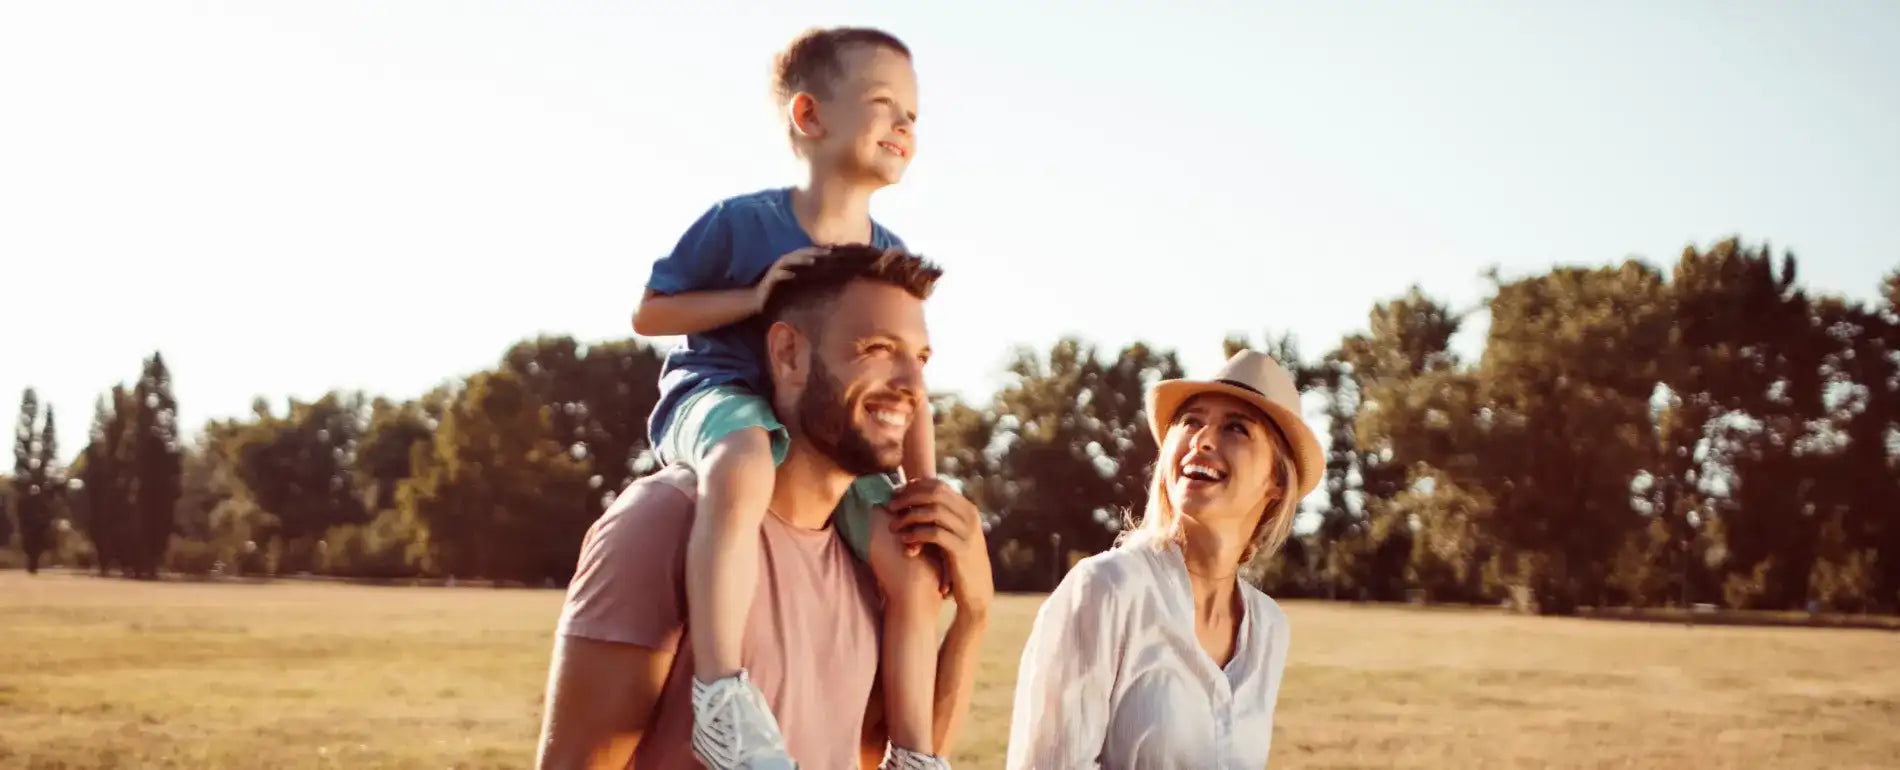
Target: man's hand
{"type": "Point", "coordinates": [786, 267]}
{"type": "Point", "coordinates": [930, 511]}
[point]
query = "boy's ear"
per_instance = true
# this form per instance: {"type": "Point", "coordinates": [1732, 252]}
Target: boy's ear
{"type": "Point", "coordinates": [802, 111]}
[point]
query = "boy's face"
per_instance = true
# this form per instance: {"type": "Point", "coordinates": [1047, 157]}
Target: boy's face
{"type": "Point", "coordinates": [867, 128]}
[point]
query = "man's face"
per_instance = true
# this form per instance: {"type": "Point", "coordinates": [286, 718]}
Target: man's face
{"type": "Point", "coordinates": [866, 377]}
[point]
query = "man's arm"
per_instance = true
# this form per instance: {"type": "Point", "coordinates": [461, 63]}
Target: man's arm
{"type": "Point", "coordinates": [956, 675]}
{"type": "Point", "coordinates": [619, 629]}
{"type": "Point", "coordinates": [956, 681]}
{"type": "Point", "coordinates": [600, 698]}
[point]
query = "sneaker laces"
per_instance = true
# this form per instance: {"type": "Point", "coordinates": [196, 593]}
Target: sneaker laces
{"type": "Point", "coordinates": [717, 737]}
{"type": "Point", "coordinates": [899, 758]}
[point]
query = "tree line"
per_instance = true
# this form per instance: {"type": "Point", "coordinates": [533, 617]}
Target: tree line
{"type": "Point", "coordinates": [1630, 435]}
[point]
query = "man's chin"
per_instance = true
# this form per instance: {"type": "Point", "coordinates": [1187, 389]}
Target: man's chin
{"type": "Point", "coordinates": [888, 461]}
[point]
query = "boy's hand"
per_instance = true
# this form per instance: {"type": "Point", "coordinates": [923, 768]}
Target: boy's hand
{"type": "Point", "coordinates": [784, 268]}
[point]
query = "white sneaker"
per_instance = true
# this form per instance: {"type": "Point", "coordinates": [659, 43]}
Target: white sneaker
{"type": "Point", "coordinates": [733, 728]}
{"type": "Point", "coordinates": [900, 758]}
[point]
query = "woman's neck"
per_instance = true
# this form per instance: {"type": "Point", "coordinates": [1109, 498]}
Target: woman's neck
{"type": "Point", "coordinates": [833, 211]}
{"type": "Point", "coordinates": [1212, 555]}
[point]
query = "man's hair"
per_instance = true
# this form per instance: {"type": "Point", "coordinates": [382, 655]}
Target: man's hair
{"type": "Point", "coordinates": [819, 283]}
{"type": "Point", "coordinates": [815, 60]}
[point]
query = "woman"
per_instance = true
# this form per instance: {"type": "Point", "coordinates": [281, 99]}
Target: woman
{"type": "Point", "coordinates": [1154, 654]}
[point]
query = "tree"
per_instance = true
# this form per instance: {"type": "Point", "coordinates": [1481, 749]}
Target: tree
{"type": "Point", "coordinates": [495, 493]}
{"type": "Point", "coordinates": [106, 485]}
{"type": "Point", "coordinates": [1568, 372]}
{"type": "Point", "coordinates": [1398, 408]}
{"type": "Point", "coordinates": [1076, 449]}
{"type": "Point", "coordinates": [157, 466]}
{"type": "Point", "coordinates": [383, 457]}
{"type": "Point", "coordinates": [1750, 365]}
{"type": "Point", "coordinates": [297, 471]}
{"type": "Point", "coordinates": [7, 527]}
{"type": "Point", "coordinates": [599, 398]}
{"type": "Point", "coordinates": [36, 481]}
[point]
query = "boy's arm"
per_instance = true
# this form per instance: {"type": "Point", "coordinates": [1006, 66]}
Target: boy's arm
{"type": "Point", "coordinates": [693, 312]}
{"type": "Point", "coordinates": [663, 313]}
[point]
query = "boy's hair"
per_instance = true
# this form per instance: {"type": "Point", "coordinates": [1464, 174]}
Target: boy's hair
{"type": "Point", "coordinates": [814, 61]}
{"type": "Point", "coordinates": [819, 283]}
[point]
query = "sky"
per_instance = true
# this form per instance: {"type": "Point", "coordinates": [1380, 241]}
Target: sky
{"type": "Point", "coordinates": [286, 198]}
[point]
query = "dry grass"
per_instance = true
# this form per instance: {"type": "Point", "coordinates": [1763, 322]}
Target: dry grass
{"type": "Point", "coordinates": [105, 674]}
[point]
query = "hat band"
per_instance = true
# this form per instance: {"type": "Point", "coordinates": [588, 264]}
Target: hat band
{"type": "Point", "coordinates": [1241, 385]}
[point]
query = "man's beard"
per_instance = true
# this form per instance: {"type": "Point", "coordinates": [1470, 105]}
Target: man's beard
{"type": "Point", "coordinates": [825, 417]}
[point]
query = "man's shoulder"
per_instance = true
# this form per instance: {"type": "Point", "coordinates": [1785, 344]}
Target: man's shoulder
{"type": "Point", "coordinates": [663, 497]}
{"type": "Point", "coordinates": [628, 584]}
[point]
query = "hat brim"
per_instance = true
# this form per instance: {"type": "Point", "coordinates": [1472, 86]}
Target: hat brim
{"type": "Point", "coordinates": [1309, 460]}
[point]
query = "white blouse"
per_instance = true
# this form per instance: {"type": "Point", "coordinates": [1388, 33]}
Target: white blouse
{"type": "Point", "coordinates": [1113, 676]}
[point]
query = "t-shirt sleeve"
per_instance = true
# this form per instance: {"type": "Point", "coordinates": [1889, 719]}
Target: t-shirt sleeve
{"type": "Point", "coordinates": [891, 241]}
{"type": "Point", "coordinates": [627, 586]}
{"type": "Point", "coordinates": [700, 259]}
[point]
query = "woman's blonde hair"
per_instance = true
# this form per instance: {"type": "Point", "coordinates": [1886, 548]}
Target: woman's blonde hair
{"type": "Point", "coordinates": [1160, 523]}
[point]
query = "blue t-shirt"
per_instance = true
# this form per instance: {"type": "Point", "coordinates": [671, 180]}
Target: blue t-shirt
{"type": "Point", "coordinates": [729, 247]}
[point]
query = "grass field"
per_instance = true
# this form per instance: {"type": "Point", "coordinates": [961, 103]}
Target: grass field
{"type": "Point", "coordinates": [113, 674]}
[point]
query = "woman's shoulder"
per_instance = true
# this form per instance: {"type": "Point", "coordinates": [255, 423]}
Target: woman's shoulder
{"type": "Point", "coordinates": [1113, 567]}
{"type": "Point", "coordinates": [1265, 608]}
{"type": "Point", "coordinates": [1096, 584]}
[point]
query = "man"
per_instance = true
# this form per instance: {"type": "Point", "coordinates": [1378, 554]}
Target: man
{"type": "Point", "coordinates": [845, 347]}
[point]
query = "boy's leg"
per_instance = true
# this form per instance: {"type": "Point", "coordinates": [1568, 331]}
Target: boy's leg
{"type": "Point", "coordinates": [920, 444]}
{"type": "Point", "coordinates": [722, 553]}
{"type": "Point", "coordinates": [730, 440]}
{"type": "Point", "coordinates": [920, 462]}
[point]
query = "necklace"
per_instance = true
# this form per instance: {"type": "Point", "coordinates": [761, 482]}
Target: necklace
{"type": "Point", "coordinates": [1223, 578]}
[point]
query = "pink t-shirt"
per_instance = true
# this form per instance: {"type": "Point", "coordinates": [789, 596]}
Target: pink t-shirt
{"type": "Point", "coordinates": [811, 640]}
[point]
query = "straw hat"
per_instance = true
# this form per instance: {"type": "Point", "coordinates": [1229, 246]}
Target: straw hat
{"type": "Point", "coordinates": [1259, 380]}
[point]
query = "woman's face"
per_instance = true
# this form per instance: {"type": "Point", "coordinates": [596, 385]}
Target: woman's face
{"type": "Point", "coordinates": [1218, 460]}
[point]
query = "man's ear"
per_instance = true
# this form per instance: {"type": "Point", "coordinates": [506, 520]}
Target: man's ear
{"type": "Point", "coordinates": [802, 111]}
{"type": "Point", "coordinates": [787, 355]}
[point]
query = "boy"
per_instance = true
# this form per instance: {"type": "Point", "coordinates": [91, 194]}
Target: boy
{"type": "Point", "coordinates": [849, 96]}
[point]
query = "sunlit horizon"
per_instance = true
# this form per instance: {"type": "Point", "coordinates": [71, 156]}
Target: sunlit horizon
{"type": "Point", "coordinates": [287, 199]}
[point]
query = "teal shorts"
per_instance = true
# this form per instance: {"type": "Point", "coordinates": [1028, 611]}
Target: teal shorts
{"type": "Point", "coordinates": [714, 413]}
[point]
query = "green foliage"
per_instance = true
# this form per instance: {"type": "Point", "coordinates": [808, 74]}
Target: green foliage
{"type": "Point", "coordinates": [38, 486]}
{"type": "Point", "coordinates": [495, 495]}
{"type": "Point", "coordinates": [7, 526]}
{"type": "Point", "coordinates": [154, 453]}
{"type": "Point", "coordinates": [1629, 436]}
{"type": "Point", "coordinates": [130, 475]}
{"type": "Point", "coordinates": [1076, 452]}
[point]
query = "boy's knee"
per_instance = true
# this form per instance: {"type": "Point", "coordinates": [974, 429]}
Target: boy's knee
{"type": "Point", "coordinates": [745, 447]}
